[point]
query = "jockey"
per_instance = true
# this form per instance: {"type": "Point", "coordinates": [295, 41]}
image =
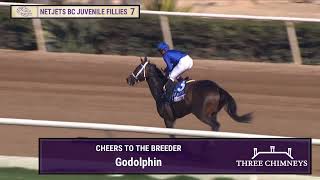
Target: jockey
{"type": "Point", "coordinates": [177, 63]}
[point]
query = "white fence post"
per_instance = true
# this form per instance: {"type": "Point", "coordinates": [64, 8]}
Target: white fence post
{"type": "Point", "coordinates": [38, 31]}
{"type": "Point", "coordinates": [165, 27]}
{"type": "Point", "coordinates": [293, 41]}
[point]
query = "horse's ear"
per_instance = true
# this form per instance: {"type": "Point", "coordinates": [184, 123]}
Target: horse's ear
{"type": "Point", "coordinates": [141, 60]}
{"type": "Point", "coordinates": [145, 59]}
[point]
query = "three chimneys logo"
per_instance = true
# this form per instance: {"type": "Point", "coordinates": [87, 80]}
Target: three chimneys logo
{"type": "Point", "coordinates": [282, 158]}
{"type": "Point", "coordinates": [272, 151]}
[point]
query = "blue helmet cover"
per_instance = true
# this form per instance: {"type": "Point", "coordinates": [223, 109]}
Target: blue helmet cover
{"type": "Point", "coordinates": [163, 46]}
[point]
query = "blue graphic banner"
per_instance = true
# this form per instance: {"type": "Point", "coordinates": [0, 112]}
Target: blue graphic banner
{"type": "Point", "coordinates": [196, 156]}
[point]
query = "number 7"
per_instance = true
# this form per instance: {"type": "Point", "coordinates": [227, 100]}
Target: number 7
{"type": "Point", "coordinates": [132, 10]}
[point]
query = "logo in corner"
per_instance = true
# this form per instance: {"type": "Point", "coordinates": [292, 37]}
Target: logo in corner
{"type": "Point", "coordinates": [272, 151]}
{"type": "Point", "coordinates": [272, 158]}
{"type": "Point", "coordinates": [24, 11]}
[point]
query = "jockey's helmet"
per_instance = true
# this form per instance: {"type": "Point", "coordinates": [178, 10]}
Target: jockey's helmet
{"type": "Point", "coordinates": [163, 46]}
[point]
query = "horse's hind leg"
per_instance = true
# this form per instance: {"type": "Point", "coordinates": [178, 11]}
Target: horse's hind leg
{"type": "Point", "coordinates": [215, 125]}
{"type": "Point", "coordinates": [211, 121]}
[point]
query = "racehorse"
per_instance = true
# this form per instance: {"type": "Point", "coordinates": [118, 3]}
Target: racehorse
{"type": "Point", "coordinates": [203, 98]}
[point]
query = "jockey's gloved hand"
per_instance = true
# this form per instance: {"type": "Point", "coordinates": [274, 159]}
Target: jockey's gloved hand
{"type": "Point", "coordinates": [167, 75]}
{"type": "Point", "coordinates": [166, 72]}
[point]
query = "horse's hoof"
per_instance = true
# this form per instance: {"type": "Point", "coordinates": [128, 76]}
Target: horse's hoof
{"type": "Point", "coordinates": [172, 136]}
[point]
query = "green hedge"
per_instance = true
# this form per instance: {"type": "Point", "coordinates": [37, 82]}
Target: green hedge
{"type": "Point", "coordinates": [309, 42]}
{"type": "Point", "coordinates": [16, 33]}
{"type": "Point", "coordinates": [233, 39]}
{"type": "Point", "coordinates": [201, 37]}
{"type": "Point", "coordinates": [104, 36]}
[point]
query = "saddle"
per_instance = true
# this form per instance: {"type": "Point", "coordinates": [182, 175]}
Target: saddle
{"type": "Point", "coordinates": [179, 89]}
{"type": "Point", "coordinates": [183, 79]}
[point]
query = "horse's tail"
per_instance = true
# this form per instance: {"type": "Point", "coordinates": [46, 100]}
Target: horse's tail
{"type": "Point", "coordinates": [231, 108]}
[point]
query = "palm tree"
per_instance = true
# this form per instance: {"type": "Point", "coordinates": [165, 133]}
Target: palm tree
{"type": "Point", "coordinates": [164, 5]}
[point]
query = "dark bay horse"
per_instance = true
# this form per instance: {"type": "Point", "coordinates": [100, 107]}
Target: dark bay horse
{"type": "Point", "coordinates": [204, 98]}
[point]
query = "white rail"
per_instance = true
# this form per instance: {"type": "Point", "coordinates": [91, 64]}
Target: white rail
{"type": "Point", "coordinates": [13, 3]}
{"type": "Point", "coordinates": [231, 16]}
{"type": "Point", "coordinates": [138, 129]}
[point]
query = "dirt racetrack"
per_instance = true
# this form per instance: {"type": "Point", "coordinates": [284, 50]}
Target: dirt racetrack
{"type": "Point", "coordinates": [92, 88]}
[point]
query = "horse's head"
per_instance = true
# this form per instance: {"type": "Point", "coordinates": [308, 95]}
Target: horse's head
{"type": "Point", "coordinates": [139, 73]}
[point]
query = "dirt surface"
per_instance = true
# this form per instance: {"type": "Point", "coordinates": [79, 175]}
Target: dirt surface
{"type": "Point", "coordinates": [289, 8]}
{"type": "Point", "coordinates": [285, 98]}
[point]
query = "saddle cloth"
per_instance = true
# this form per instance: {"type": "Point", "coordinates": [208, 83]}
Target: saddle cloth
{"type": "Point", "coordinates": [179, 90]}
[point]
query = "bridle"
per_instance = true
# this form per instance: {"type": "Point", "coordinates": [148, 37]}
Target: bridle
{"type": "Point", "coordinates": [143, 68]}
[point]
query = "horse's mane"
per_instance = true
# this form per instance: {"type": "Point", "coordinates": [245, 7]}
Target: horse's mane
{"type": "Point", "coordinates": [156, 71]}
{"type": "Point", "coordinates": [156, 80]}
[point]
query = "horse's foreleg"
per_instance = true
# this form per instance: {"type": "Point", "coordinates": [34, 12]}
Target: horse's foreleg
{"type": "Point", "coordinates": [169, 124]}
{"type": "Point", "coordinates": [168, 116]}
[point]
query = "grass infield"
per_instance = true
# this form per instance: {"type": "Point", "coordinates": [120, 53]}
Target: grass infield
{"type": "Point", "coordinates": [25, 174]}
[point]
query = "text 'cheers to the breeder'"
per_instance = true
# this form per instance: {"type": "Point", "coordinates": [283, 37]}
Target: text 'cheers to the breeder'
{"type": "Point", "coordinates": [138, 161]}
